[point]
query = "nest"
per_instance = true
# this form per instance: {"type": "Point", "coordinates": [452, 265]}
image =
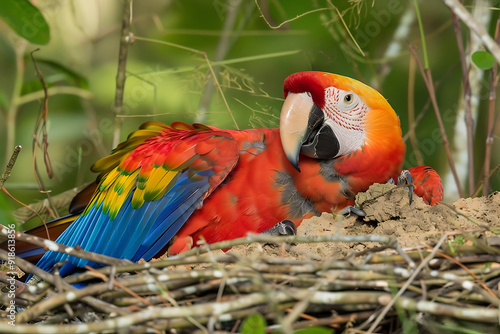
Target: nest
{"type": "Point", "coordinates": [453, 284]}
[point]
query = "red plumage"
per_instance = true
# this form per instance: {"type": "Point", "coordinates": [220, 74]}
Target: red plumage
{"type": "Point", "coordinates": [427, 184]}
{"type": "Point", "coordinates": [222, 184]}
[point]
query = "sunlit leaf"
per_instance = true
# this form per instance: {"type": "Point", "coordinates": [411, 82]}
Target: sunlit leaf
{"type": "Point", "coordinates": [483, 59]}
{"type": "Point", "coordinates": [26, 20]}
{"type": "Point", "coordinates": [254, 324]}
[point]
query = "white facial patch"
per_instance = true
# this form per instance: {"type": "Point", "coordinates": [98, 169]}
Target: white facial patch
{"type": "Point", "coordinates": [345, 113]}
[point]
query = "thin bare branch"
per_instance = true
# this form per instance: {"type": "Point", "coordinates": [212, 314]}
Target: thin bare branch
{"type": "Point", "coordinates": [57, 247]}
{"type": "Point", "coordinates": [427, 76]}
{"type": "Point", "coordinates": [411, 113]}
{"type": "Point", "coordinates": [223, 47]}
{"type": "Point", "coordinates": [10, 165]}
{"type": "Point", "coordinates": [407, 284]}
{"type": "Point", "coordinates": [125, 41]}
{"type": "Point", "coordinates": [491, 119]}
{"type": "Point", "coordinates": [466, 17]}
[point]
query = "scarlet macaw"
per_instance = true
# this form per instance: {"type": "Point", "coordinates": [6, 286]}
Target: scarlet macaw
{"type": "Point", "coordinates": [172, 185]}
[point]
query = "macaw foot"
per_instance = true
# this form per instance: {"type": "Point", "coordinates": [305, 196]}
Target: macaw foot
{"type": "Point", "coordinates": [352, 210]}
{"type": "Point", "coordinates": [405, 180]}
{"type": "Point", "coordinates": [284, 227]}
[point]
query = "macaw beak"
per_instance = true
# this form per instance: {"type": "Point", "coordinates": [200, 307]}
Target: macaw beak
{"type": "Point", "coordinates": [303, 129]}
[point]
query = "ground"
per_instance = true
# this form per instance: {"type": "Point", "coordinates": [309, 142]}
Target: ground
{"type": "Point", "coordinates": [441, 294]}
{"type": "Point", "coordinates": [390, 213]}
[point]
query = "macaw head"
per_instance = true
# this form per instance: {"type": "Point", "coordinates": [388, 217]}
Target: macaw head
{"type": "Point", "coordinates": [326, 116]}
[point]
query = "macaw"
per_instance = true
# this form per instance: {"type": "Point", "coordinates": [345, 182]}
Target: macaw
{"type": "Point", "coordinates": [168, 186]}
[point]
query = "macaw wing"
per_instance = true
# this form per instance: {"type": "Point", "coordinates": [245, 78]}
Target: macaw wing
{"type": "Point", "coordinates": [148, 188]}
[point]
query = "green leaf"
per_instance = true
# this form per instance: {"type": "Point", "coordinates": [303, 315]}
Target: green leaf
{"type": "Point", "coordinates": [26, 20]}
{"type": "Point", "coordinates": [315, 330]}
{"type": "Point", "coordinates": [483, 59]}
{"type": "Point", "coordinates": [31, 86]}
{"type": "Point", "coordinates": [63, 74]}
{"type": "Point", "coordinates": [76, 78]}
{"type": "Point", "coordinates": [254, 324]}
{"type": "Point", "coordinates": [459, 240]}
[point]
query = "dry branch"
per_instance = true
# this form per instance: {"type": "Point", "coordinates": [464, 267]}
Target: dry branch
{"type": "Point", "coordinates": [57, 247]}
{"type": "Point", "coordinates": [467, 19]}
{"type": "Point", "coordinates": [204, 288]}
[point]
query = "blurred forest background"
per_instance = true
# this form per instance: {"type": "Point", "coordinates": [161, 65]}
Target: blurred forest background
{"type": "Point", "coordinates": [251, 46]}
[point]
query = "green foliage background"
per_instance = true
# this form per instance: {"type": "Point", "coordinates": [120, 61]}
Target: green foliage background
{"type": "Point", "coordinates": [169, 83]}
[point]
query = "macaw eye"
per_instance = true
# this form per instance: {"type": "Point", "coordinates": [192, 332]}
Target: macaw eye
{"type": "Point", "coordinates": [348, 99]}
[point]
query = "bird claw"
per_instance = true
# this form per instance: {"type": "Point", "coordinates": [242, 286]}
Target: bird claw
{"type": "Point", "coordinates": [352, 210]}
{"type": "Point", "coordinates": [284, 227]}
{"type": "Point", "coordinates": [405, 180]}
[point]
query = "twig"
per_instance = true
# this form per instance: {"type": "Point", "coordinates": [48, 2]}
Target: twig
{"type": "Point", "coordinates": [222, 48]}
{"type": "Point", "coordinates": [125, 41]}
{"type": "Point", "coordinates": [491, 119]}
{"type": "Point", "coordinates": [55, 90]}
{"type": "Point", "coordinates": [289, 20]}
{"type": "Point", "coordinates": [422, 34]}
{"type": "Point", "coordinates": [485, 226]}
{"type": "Point", "coordinates": [97, 274]}
{"type": "Point", "coordinates": [41, 129]}
{"type": "Point", "coordinates": [209, 64]}
{"type": "Point", "coordinates": [299, 308]}
{"type": "Point", "coordinates": [41, 126]}
{"type": "Point", "coordinates": [466, 17]}
{"type": "Point", "coordinates": [407, 284]}
{"type": "Point", "coordinates": [10, 165]}
{"type": "Point", "coordinates": [426, 74]}
{"type": "Point", "coordinates": [59, 287]}
{"type": "Point", "coordinates": [411, 113]}
{"type": "Point", "coordinates": [267, 285]}
{"type": "Point", "coordinates": [362, 53]}
{"type": "Point", "coordinates": [28, 267]}
{"type": "Point", "coordinates": [71, 294]}
{"type": "Point", "coordinates": [39, 208]}
{"type": "Point", "coordinates": [479, 187]}
{"type": "Point", "coordinates": [494, 300]}
{"type": "Point", "coordinates": [155, 313]}
{"type": "Point", "coordinates": [57, 247]}
{"type": "Point", "coordinates": [292, 239]}
{"type": "Point", "coordinates": [485, 315]}
{"type": "Point", "coordinates": [337, 320]}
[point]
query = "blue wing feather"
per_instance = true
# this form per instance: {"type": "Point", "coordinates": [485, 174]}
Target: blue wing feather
{"type": "Point", "coordinates": [142, 230]}
{"type": "Point", "coordinates": [164, 232]}
{"type": "Point", "coordinates": [134, 233]}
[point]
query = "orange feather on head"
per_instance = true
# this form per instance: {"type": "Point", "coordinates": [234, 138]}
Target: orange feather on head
{"type": "Point", "coordinates": [379, 150]}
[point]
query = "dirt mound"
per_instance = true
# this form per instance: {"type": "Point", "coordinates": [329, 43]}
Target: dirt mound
{"type": "Point", "coordinates": [388, 212]}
